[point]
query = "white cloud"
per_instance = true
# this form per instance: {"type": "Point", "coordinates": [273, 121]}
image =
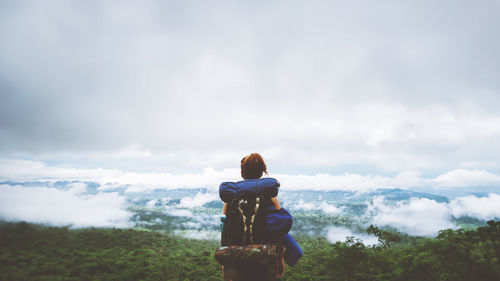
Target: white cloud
{"type": "Point", "coordinates": [353, 182]}
{"type": "Point", "coordinates": [310, 206]}
{"type": "Point", "coordinates": [197, 200]}
{"type": "Point", "coordinates": [135, 182]}
{"type": "Point", "coordinates": [180, 212]}
{"type": "Point", "coordinates": [467, 178]}
{"type": "Point", "coordinates": [336, 233]}
{"type": "Point", "coordinates": [25, 170]}
{"type": "Point", "coordinates": [484, 208]}
{"type": "Point", "coordinates": [347, 94]}
{"type": "Point", "coordinates": [151, 203]}
{"type": "Point", "coordinates": [192, 225]}
{"type": "Point", "coordinates": [132, 151]}
{"type": "Point", "coordinates": [421, 217]}
{"type": "Point", "coordinates": [77, 188]}
{"type": "Point", "coordinates": [61, 208]}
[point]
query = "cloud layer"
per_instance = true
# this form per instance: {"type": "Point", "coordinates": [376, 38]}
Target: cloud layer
{"type": "Point", "coordinates": [109, 179]}
{"type": "Point", "coordinates": [485, 208]}
{"type": "Point", "coordinates": [421, 217]}
{"type": "Point", "coordinates": [424, 217]}
{"type": "Point", "coordinates": [320, 86]}
{"type": "Point", "coordinates": [74, 205]}
{"type": "Point", "coordinates": [315, 206]}
{"type": "Point", "coordinates": [336, 233]}
{"type": "Point", "coordinates": [62, 208]}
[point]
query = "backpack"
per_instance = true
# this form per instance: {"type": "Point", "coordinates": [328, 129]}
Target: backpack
{"type": "Point", "coordinates": [251, 262]}
{"type": "Point", "coordinates": [246, 221]}
{"type": "Point", "coordinates": [248, 203]}
{"type": "Point", "coordinates": [248, 247]}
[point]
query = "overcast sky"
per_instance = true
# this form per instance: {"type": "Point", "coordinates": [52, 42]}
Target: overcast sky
{"type": "Point", "coordinates": [366, 87]}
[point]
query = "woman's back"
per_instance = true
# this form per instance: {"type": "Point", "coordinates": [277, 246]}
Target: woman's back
{"type": "Point", "coordinates": [246, 205]}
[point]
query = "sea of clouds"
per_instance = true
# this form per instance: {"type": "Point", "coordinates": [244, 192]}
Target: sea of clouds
{"type": "Point", "coordinates": [45, 202]}
{"type": "Point", "coordinates": [72, 207]}
{"type": "Point", "coordinates": [425, 217]}
{"type": "Point", "coordinates": [108, 179]}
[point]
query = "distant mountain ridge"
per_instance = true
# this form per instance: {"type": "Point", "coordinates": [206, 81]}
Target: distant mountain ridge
{"type": "Point", "coordinates": [339, 196]}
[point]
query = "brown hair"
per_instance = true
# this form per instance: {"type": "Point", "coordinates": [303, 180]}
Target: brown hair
{"type": "Point", "coordinates": [253, 166]}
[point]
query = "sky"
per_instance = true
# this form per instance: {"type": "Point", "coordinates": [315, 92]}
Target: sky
{"type": "Point", "coordinates": [344, 90]}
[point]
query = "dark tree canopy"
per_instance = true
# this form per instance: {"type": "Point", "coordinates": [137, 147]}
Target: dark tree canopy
{"type": "Point", "coordinates": [34, 252]}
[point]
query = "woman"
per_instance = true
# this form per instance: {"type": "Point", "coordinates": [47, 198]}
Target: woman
{"type": "Point", "coordinates": [252, 168]}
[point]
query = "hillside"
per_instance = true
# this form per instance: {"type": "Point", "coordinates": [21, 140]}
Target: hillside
{"type": "Point", "coordinates": [35, 252]}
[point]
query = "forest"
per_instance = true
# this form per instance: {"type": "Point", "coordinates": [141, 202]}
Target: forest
{"type": "Point", "coordinates": [38, 252]}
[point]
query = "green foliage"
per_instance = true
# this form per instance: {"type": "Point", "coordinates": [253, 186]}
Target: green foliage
{"type": "Point", "coordinates": [386, 238]}
{"type": "Point", "coordinates": [457, 255]}
{"type": "Point", "coordinates": [34, 252]}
